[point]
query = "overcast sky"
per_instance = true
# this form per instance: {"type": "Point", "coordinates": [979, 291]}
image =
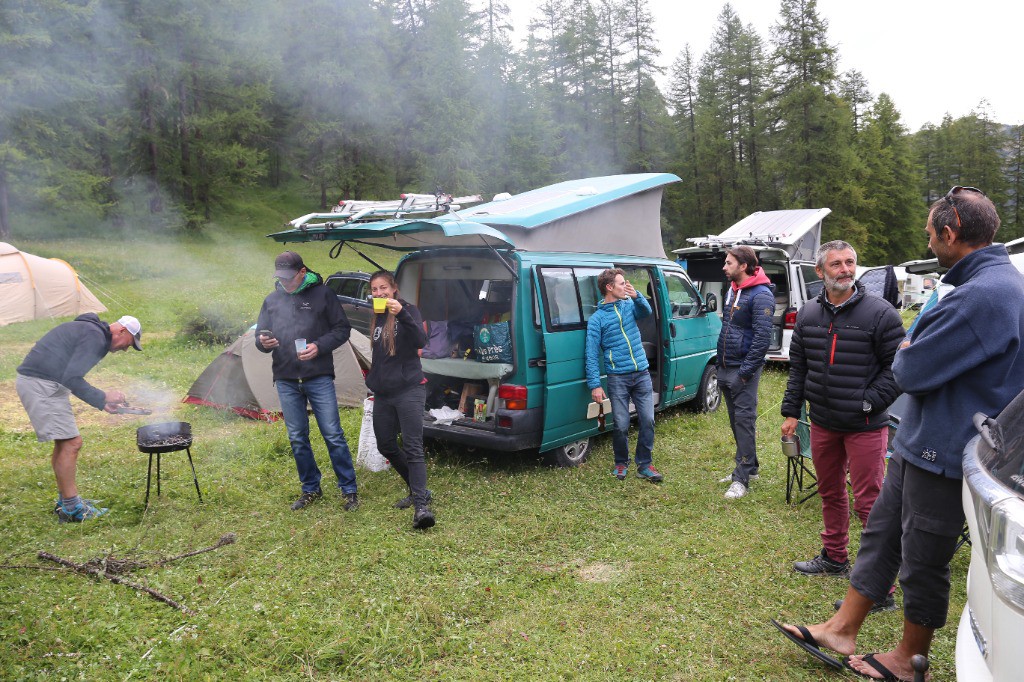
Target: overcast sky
{"type": "Point", "coordinates": [932, 58]}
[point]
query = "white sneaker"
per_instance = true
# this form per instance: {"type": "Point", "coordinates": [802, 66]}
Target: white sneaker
{"type": "Point", "coordinates": [737, 489]}
{"type": "Point", "coordinates": [728, 478]}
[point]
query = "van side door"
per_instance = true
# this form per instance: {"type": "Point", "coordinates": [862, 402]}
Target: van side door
{"type": "Point", "coordinates": [690, 339]}
{"type": "Point", "coordinates": [568, 297]}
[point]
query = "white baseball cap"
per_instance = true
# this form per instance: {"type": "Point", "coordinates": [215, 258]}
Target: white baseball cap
{"type": "Point", "coordinates": [134, 328]}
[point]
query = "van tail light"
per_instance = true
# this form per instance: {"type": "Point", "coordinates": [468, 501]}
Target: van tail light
{"type": "Point", "coordinates": [514, 396]}
{"type": "Point", "coordinates": [1006, 551]}
{"type": "Point", "coordinates": [789, 321]}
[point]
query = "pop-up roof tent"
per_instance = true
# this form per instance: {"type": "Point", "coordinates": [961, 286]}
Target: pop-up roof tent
{"type": "Point", "coordinates": [796, 231]}
{"type": "Point", "coordinates": [240, 379]}
{"type": "Point", "coordinates": [618, 214]}
{"type": "Point", "coordinates": [32, 287]}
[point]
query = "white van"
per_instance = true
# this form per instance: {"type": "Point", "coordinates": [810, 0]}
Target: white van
{"type": "Point", "coordinates": [786, 243]}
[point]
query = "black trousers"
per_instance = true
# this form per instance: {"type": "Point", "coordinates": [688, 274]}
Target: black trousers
{"type": "Point", "coordinates": [913, 530]}
{"type": "Point", "coordinates": [403, 413]}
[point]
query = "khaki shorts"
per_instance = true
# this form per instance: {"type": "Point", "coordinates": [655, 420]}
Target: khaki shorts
{"type": "Point", "coordinates": [49, 408]}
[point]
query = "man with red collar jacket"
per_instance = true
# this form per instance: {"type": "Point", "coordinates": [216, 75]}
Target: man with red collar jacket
{"type": "Point", "coordinates": [742, 346]}
{"type": "Point", "coordinates": [840, 362]}
{"type": "Point", "coordinates": [301, 323]}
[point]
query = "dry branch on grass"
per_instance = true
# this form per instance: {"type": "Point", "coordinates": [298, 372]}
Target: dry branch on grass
{"type": "Point", "coordinates": [111, 568]}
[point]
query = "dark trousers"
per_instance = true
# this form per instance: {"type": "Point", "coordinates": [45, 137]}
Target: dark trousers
{"type": "Point", "coordinates": [403, 412]}
{"type": "Point", "coordinates": [741, 401]}
{"type": "Point", "coordinates": [912, 530]}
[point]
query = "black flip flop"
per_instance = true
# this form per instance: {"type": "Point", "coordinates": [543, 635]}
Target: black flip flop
{"type": "Point", "coordinates": [808, 644]}
{"type": "Point", "coordinates": [887, 675]}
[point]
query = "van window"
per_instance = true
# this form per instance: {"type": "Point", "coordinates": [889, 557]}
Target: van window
{"type": "Point", "coordinates": [682, 297]}
{"type": "Point", "coordinates": [570, 296]}
{"type": "Point", "coordinates": [812, 283]}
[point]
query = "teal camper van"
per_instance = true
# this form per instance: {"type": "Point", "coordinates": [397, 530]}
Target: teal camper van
{"type": "Point", "coordinates": [523, 271]}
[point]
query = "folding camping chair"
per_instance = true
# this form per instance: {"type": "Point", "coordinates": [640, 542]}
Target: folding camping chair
{"type": "Point", "coordinates": [798, 469]}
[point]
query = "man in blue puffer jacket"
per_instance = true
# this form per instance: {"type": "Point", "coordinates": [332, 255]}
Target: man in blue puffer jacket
{"type": "Point", "coordinates": [613, 336]}
{"type": "Point", "coordinates": [742, 345]}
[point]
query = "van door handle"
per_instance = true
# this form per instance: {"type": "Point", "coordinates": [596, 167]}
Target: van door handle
{"type": "Point", "coordinates": [537, 362]}
{"type": "Point", "coordinates": [672, 329]}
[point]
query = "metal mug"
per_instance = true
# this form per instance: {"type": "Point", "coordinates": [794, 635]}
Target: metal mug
{"type": "Point", "coordinates": [791, 446]}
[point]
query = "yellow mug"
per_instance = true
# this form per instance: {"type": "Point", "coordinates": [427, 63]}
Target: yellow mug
{"type": "Point", "coordinates": [380, 305]}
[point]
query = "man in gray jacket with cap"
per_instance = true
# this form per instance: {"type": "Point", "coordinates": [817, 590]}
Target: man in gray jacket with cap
{"type": "Point", "coordinates": [55, 369]}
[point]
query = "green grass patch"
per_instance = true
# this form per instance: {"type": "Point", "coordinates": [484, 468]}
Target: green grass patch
{"type": "Point", "coordinates": [531, 573]}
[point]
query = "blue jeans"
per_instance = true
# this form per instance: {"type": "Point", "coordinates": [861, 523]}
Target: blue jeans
{"type": "Point", "coordinates": [621, 388]}
{"type": "Point", "coordinates": [319, 392]}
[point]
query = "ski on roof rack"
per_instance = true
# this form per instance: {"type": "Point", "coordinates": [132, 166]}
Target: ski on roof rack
{"type": "Point", "coordinates": [351, 211]}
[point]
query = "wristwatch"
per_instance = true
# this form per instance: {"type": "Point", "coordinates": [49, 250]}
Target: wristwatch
{"type": "Point", "coordinates": [865, 406]}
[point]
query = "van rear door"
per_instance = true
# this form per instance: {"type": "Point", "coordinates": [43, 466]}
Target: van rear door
{"type": "Point", "coordinates": [568, 296]}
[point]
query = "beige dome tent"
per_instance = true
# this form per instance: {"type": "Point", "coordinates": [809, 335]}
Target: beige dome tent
{"type": "Point", "coordinates": [32, 287]}
{"type": "Point", "coordinates": [240, 378]}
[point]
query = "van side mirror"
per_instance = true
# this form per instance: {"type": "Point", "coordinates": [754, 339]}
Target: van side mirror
{"type": "Point", "coordinates": [711, 303]}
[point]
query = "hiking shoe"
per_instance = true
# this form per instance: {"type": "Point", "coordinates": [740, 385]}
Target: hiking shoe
{"type": "Point", "coordinates": [407, 501]}
{"type": "Point", "coordinates": [649, 473]}
{"type": "Point", "coordinates": [822, 565]}
{"type": "Point", "coordinates": [728, 479]}
{"type": "Point", "coordinates": [887, 604]}
{"type": "Point", "coordinates": [306, 499]}
{"type": "Point", "coordinates": [619, 471]}
{"type": "Point", "coordinates": [423, 518]}
{"type": "Point", "coordinates": [80, 513]}
{"type": "Point", "coordinates": [351, 502]}
{"type": "Point", "coordinates": [736, 490]}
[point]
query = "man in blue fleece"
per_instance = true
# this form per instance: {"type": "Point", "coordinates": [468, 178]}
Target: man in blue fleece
{"type": "Point", "coordinates": [55, 369]}
{"type": "Point", "coordinates": [614, 338]}
{"type": "Point", "coordinates": [964, 356]}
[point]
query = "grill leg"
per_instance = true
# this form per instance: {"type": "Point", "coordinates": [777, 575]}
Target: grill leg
{"type": "Point", "coordinates": [149, 477]}
{"type": "Point", "coordinates": [158, 474]}
{"type": "Point", "coordinates": [195, 480]}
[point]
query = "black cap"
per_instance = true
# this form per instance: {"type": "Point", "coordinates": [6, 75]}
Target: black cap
{"type": "Point", "coordinates": [287, 265]}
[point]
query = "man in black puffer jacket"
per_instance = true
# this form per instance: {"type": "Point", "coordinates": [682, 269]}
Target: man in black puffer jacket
{"type": "Point", "coordinates": [301, 323]}
{"type": "Point", "coordinates": [840, 362]}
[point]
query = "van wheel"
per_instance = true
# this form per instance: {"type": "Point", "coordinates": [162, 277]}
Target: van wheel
{"type": "Point", "coordinates": [569, 455]}
{"type": "Point", "coordinates": [709, 397]}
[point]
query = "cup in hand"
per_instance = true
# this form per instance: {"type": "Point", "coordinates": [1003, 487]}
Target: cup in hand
{"type": "Point", "coordinates": [380, 305]}
{"type": "Point", "coordinates": [791, 446]}
{"type": "Point", "coordinates": [300, 345]}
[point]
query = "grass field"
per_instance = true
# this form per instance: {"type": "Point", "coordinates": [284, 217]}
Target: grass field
{"type": "Point", "coordinates": [532, 573]}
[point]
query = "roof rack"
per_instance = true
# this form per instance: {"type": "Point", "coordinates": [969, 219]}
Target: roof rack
{"type": "Point", "coordinates": [352, 211]}
{"type": "Point", "coordinates": [732, 240]}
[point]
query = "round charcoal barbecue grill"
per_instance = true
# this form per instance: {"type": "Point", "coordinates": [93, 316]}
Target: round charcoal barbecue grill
{"type": "Point", "coordinates": [156, 439]}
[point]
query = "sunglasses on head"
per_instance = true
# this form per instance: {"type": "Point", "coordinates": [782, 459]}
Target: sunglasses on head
{"type": "Point", "coordinates": [956, 189]}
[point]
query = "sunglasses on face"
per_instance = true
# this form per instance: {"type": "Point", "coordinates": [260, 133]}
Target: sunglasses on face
{"type": "Point", "coordinates": [956, 189]}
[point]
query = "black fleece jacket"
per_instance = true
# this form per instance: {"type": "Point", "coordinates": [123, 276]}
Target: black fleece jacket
{"type": "Point", "coordinates": [840, 358]}
{"type": "Point", "coordinates": [390, 374]}
{"type": "Point", "coordinates": [311, 312]}
{"type": "Point", "coordinates": [67, 352]}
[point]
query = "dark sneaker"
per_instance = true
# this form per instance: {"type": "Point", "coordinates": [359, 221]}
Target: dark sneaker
{"type": "Point", "coordinates": [619, 471]}
{"type": "Point", "coordinates": [407, 501]}
{"type": "Point", "coordinates": [81, 512]}
{"type": "Point", "coordinates": [351, 502]}
{"type": "Point", "coordinates": [649, 473]}
{"type": "Point", "coordinates": [887, 604]}
{"type": "Point", "coordinates": [306, 499]}
{"type": "Point", "coordinates": [423, 518]}
{"type": "Point", "coordinates": [822, 565]}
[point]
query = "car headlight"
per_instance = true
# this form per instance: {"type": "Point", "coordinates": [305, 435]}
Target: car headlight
{"type": "Point", "coordinates": [1006, 550]}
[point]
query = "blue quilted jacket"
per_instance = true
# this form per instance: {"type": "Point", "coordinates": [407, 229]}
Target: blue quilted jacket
{"type": "Point", "coordinates": [614, 338]}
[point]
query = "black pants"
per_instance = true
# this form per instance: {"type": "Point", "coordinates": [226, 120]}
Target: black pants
{"type": "Point", "coordinates": [403, 412]}
{"type": "Point", "coordinates": [912, 529]}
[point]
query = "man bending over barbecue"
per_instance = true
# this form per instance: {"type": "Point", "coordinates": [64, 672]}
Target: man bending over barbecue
{"type": "Point", "coordinates": [54, 369]}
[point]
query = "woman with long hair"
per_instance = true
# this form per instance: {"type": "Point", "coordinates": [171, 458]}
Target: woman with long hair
{"type": "Point", "coordinates": [399, 394]}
